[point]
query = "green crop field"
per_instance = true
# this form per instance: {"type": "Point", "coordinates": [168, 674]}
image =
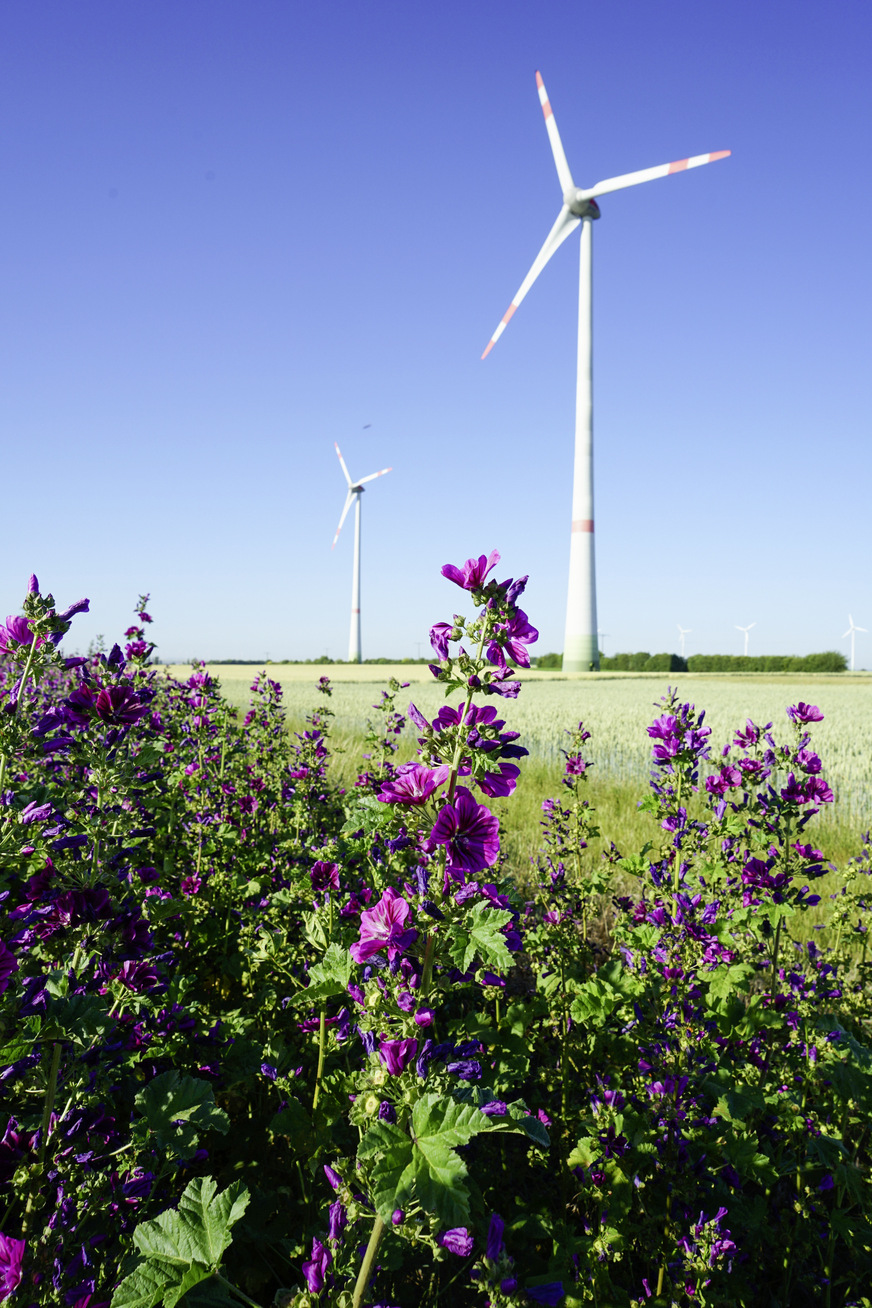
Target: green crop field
{"type": "Point", "coordinates": [616, 708]}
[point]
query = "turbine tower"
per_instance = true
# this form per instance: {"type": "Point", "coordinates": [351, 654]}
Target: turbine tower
{"type": "Point", "coordinates": [850, 632]}
{"type": "Point", "coordinates": [355, 490]}
{"type": "Point", "coordinates": [682, 632]}
{"type": "Point", "coordinates": [746, 630]}
{"type": "Point", "coordinates": [579, 206]}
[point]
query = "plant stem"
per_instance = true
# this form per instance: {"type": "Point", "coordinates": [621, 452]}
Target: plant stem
{"type": "Point", "coordinates": [48, 1106]}
{"type": "Point", "coordinates": [322, 1040]}
{"type": "Point", "coordinates": [366, 1267]}
{"type": "Point", "coordinates": [235, 1290]}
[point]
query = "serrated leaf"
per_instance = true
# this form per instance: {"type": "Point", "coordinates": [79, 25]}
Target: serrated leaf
{"type": "Point", "coordinates": [392, 1149]}
{"type": "Point", "coordinates": [329, 977]}
{"type": "Point", "coordinates": [529, 1125]}
{"type": "Point", "coordinates": [143, 1288]}
{"type": "Point", "coordinates": [596, 999]}
{"type": "Point", "coordinates": [176, 1107]}
{"type": "Point", "coordinates": [198, 1231]}
{"type": "Point", "coordinates": [481, 937]}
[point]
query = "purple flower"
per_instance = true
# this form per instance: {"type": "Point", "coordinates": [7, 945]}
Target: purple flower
{"type": "Point", "coordinates": [805, 713]}
{"type": "Point", "coordinates": [413, 784]}
{"type": "Point", "coordinates": [80, 606]}
{"type": "Point", "coordinates": [11, 1258]}
{"type": "Point", "coordinates": [397, 1054]}
{"type": "Point", "coordinates": [325, 876]}
{"type": "Point", "coordinates": [120, 705]}
{"type": "Point", "coordinates": [495, 1238]}
{"type": "Point", "coordinates": [338, 1220]}
{"type": "Point", "coordinates": [315, 1268]}
{"type": "Point", "coordinates": [439, 637]}
{"type": "Point", "coordinates": [817, 791]}
{"type": "Point", "coordinates": [498, 785]}
{"type": "Point", "coordinates": [398, 1217]}
{"type": "Point", "coordinates": [512, 637]}
{"type": "Point", "coordinates": [469, 831]}
{"type": "Point", "coordinates": [8, 965]}
{"type": "Point", "coordinates": [17, 631]}
{"type": "Point", "coordinates": [333, 1177]}
{"type": "Point", "coordinates": [551, 1293]}
{"type": "Point", "coordinates": [471, 576]}
{"type": "Point", "coordinates": [495, 1108]}
{"type": "Point", "coordinates": [457, 1240]}
{"type": "Point", "coordinates": [384, 927]}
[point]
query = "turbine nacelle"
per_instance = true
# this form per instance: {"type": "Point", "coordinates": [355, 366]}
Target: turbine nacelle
{"type": "Point", "coordinates": [580, 204]}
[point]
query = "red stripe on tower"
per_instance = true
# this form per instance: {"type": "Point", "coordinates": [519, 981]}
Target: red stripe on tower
{"type": "Point", "coordinates": [582, 524]}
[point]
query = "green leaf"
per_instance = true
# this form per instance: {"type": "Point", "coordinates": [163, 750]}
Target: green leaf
{"type": "Point", "coordinates": [143, 1288]}
{"type": "Point", "coordinates": [596, 999]}
{"type": "Point", "coordinates": [724, 983]}
{"type": "Point", "coordinates": [529, 1125]}
{"type": "Point", "coordinates": [392, 1150]}
{"type": "Point", "coordinates": [481, 936]}
{"type": "Point", "coordinates": [329, 977]}
{"type": "Point", "coordinates": [198, 1231]}
{"type": "Point", "coordinates": [176, 1107]}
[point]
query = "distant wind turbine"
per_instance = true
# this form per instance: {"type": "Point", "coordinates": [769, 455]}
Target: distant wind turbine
{"type": "Point", "coordinates": [850, 632]}
{"type": "Point", "coordinates": [580, 206]}
{"type": "Point", "coordinates": [355, 490]}
{"type": "Point", "coordinates": [682, 632]}
{"type": "Point", "coordinates": [746, 630]}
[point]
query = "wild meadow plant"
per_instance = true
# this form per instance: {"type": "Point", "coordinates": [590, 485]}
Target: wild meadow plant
{"type": "Point", "coordinates": [271, 1043]}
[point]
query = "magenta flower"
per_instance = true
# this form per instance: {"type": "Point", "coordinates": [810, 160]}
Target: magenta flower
{"type": "Point", "coordinates": [471, 576]}
{"type": "Point", "coordinates": [457, 1241]}
{"type": "Point", "coordinates": [397, 1054]}
{"type": "Point", "coordinates": [805, 713]}
{"type": "Point", "coordinates": [11, 1258]}
{"type": "Point", "coordinates": [499, 785]}
{"type": "Point", "coordinates": [413, 784]}
{"type": "Point", "coordinates": [315, 1268]}
{"type": "Point", "coordinates": [384, 927]}
{"type": "Point", "coordinates": [469, 831]}
{"type": "Point", "coordinates": [513, 637]}
{"type": "Point", "coordinates": [817, 791]}
{"type": "Point", "coordinates": [15, 634]}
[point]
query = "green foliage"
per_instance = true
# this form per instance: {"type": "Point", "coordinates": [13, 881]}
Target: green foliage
{"type": "Point", "coordinates": [176, 1108]}
{"type": "Point", "coordinates": [181, 1248]}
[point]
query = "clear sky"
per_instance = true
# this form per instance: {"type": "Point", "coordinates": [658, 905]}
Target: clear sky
{"type": "Point", "coordinates": [234, 233]}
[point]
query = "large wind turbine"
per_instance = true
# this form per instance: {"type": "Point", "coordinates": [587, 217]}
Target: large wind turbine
{"type": "Point", "coordinates": [579, 206]}
{"type": "Point", "coordinates": [682, 632]}
{"type": "Point", "coordinates": [850, 632]}
{"type": "Point", "coordinates": [746, 631]}
{"type": "Point", "coordinates": [355, 490]}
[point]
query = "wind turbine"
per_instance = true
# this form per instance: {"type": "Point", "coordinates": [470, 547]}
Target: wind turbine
{"type": "Point", "coordinates": [579, 206]}
{"type": "Point", "coordinates": [850, 632]}
{"type": "Point", "coordinates": [746, 630]}
{"type": "Point", "coordinates": [355, 490]}
{"type": "Point", "coordinates": [682, 632]}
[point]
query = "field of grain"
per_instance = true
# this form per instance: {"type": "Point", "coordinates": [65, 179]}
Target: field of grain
{"type": "Point", "coordinates": [616, 708]}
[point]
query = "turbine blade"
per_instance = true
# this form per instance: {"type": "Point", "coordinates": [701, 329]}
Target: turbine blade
{"type": "Point", "coordinates": [372, 476]}
{"type": "Point", "coordinates": [566, 182]}
{"type": "Point", "coordinates": [859, 628]}
{"type": "Point", "coordinates": [649, 174]}
{"type": "Point", "coordinates": [348, 500]}
{"type": "Point", "coordinates": [564, 226]}
{"type": "Point", "coordinates": [342, 461]}
{"type": "Point", "coordinates": [848, 632]}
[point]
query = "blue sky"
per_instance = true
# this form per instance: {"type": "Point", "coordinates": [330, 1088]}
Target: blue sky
{"type": "Point", "coordinates": [234, 233]}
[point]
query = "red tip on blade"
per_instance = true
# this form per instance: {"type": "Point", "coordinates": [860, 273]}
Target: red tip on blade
{"type": "Point", "coordinates": [539, 82]}
{"type": "Point", "coordinates": [720, 154]}
{"type": "Point", "coordinates": [490, 346]}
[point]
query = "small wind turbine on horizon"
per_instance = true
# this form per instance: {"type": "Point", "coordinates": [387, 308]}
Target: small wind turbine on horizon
{"type": "Point", "coordinates": [682, 632]}
{"type": "Point", "coordinates": [579, 206]}
{"type": "Point", "coordinates": [746, 630]}
{"type": "Point", "coordinates": [852, 628]}
{"type": "Point", "coordinates": [355, 490]}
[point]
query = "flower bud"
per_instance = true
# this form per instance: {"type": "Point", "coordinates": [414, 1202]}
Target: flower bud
{"type": "Point", "coordinates": [398, 1217]}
